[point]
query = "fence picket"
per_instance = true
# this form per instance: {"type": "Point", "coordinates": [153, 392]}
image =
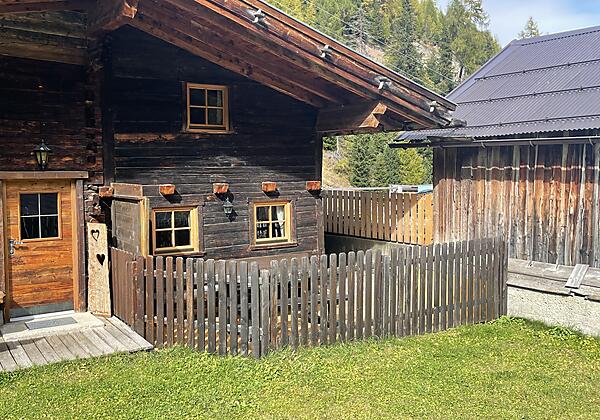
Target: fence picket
{"type": "Point", "coordinates": [189, 297]}
{"type": "Point", "coordinates": [294, 287]}
{"type": "Point", "coordinates": [221, 271]}
{"type": "Point", "coordinates": [351, 291]}
{"type": "Point", "coordinates": [393, 292]}
{"type": "Point", "coordinates": [233, 316]}
{"type": "Point", "coordinates": [314, 291]}
{"type": "Point", "coordinates": [200, 315]}
{"type": "Point", "coordinates": [444, 288]}
{"type": "Point", "coordinates": [359, 279]}
{"type": "Point", "coordinates": [368, 320]}
{"type": "Point", "coordinates": [244, 308]}
{"type": "Point", "coordinates": [150, 297]}
{"type": "Point", "coordinates": [170, 301]}
{"type": "Point", "coordinates": [284, 279]}
{"type": "Point", "coordinates": [274, 281]}
{"type": "Point", "coordinates": [255, 310]}
{"type": "Point", "coordinates": [265, 316]}
{"type": "Point", "coordinates": [211, 304]}
{"type": "Point", "coordinates": [332, 307]}
{"type": "Point", "coordinates": [422, 288]}
{"type": "Point", "coordinates": [160, 303]}
{"type": "Point", "coordinates": [179, 295]}
{"type": "Point", "coordinates": [342, 279]}
{"type": "Point", "coordinates": [304, 308]}
{"type": "Point", "coordinates": [323, 318]}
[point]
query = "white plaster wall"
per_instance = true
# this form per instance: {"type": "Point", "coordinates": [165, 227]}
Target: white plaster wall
{"type": "Point", "coordinates": [568, 311]}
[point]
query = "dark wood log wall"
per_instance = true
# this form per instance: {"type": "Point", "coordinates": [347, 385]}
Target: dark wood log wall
{"type": "Point", "coordinates": [273, 139]}
{"type": "Point", "coordinates": [545, 198]}
{"type": "Point", "coordinates": [48, 92]}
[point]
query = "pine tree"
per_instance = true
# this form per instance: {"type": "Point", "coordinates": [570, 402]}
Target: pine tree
{"type": "Point", "coordinates": [530, 30]}
{"type": "Point", "coordinates": [361, 161]}
{"type": "Point", "coordinates": [402, 53]}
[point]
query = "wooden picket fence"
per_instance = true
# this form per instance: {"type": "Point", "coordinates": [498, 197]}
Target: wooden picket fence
{"type": "Point", "coordinates": [384, 215]}
{"type": "Point", "coordinates": [232, 307]}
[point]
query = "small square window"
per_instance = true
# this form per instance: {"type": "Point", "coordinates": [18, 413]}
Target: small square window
{"type": "Point", "coordinates": [39, 216]}
{"type": "Point", "coordinates": [272, 223]}
{"type": "Point", "coordinates": [207, 108]}
{"type": "Point", "coordinates": [176, 230]}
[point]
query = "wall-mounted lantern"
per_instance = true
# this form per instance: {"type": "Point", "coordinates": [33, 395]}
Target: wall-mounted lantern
{"type": "Point", "coordinates": [227, 207]}
{"type": "Point", "coordinates": [41, 153]}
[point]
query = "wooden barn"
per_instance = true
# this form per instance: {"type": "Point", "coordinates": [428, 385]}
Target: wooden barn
{"type": "Point", "coordinates": [188, 127]}
{"type": "Point", "coordinates": [527, 163]}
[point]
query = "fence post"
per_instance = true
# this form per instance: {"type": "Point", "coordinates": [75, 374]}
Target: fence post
{"type": "Point", "coordinates": [140, 295]}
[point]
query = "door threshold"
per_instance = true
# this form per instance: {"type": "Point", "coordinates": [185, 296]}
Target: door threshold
{"type": "Point", "coordinates": [39, 316]}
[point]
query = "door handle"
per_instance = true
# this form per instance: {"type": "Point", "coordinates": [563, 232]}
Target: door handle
{"type": "Point", "coordinates": [11, 245]}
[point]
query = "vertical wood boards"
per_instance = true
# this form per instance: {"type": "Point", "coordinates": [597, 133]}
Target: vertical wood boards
{"type": "Point", "coordinates": [98, 275]}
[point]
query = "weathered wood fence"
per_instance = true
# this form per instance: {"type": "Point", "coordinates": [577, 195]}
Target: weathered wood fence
{"type": "Point", "coordinates": [230, 307]}
{"type": "Point", "coordinates": [384, 215]}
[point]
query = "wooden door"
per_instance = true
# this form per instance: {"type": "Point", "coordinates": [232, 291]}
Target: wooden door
{"type": "Point", "coordinates": [40, 261]}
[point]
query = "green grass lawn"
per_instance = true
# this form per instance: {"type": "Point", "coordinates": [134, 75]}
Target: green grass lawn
{"type": "Point", "coordinates": [506, 369]}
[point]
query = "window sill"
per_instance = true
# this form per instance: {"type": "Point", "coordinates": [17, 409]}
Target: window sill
{"type": "Point", "coordinates": [261, 247]}
{"type": "Point", "coordinates": [206, 131]}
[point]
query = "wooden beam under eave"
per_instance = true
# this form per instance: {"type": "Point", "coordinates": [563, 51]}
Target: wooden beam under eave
{"type": "Point", "coordinates": [109, 15]}
{"type": "Point", "coordinates": [359, 118]}
{"type": "Point", "coordinates": [27, 6]}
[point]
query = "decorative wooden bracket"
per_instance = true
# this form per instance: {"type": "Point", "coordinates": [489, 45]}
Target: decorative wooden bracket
{"type": "Point", "coordinates": [313, 186]}
{"type": "Point", "coordinates": [109, 15]}
{"type": "Point", "coordinates": [106, 192]}
{"type": "Point", "coordinates": [359, 118]}
{"type": "Point", "coordinates": [167, 189]}
{"type": "Point", "coordinates": [220, 188]}
{"type": "Point", "coordinates": [269, 187]}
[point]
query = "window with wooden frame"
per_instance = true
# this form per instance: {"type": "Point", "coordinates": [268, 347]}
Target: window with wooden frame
{"type": "Point", "coordinates": [39, 215]}
{"type": "Point", "coordinates": [175, 230]}
{"type": "Point", "coordinates": [207, 108]}
{"type": "Point", "coordinates": [272, 222]}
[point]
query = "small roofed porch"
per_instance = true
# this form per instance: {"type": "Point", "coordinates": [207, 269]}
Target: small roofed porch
{"type": "Point", "coordinates": [66, 336]}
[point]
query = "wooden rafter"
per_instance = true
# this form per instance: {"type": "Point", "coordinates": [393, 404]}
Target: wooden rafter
{"type": "Point", "coordinates": [359, 118]}
{"type": "Point", "coordinates": [108, 15]}
{"type": "Point", "coordinates": [25, 6]}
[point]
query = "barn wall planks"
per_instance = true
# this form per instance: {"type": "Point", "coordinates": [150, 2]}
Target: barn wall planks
{"type": "Point", "coordinates": [544, 198]}
{"type": "Point", "coordinates": [273, 139]}
{"type": "Point", "coordinates": [317, 294]}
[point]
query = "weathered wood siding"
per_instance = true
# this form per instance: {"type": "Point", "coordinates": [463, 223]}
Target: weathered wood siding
{"type": "Point", "coordinates": [544, 198]}
{"type": "Point", "coordinates": [273, 139]}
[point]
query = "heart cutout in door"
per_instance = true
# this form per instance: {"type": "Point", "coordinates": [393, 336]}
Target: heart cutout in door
{"type": "Point", "coordinates": [101, 258]}
{"type": "Point", "coordinates": [95, 234]}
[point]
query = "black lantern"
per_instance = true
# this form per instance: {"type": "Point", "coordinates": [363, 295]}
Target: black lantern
{"type": "Point", "coordinates": [41, 152]}
{"type": "Point", "coordinates": [228, 207]}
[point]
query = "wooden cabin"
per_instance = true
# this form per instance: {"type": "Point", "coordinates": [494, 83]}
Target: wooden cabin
{"type": "Point", "coordinates": [527, 163]}
{"type": "Point", "coordinates": [188, 127]}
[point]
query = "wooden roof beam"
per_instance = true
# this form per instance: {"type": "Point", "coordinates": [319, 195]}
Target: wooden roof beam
{"type": "Point", "coordinates": [109, 15]}
{"type": "Point", "coordinates": [207, 51]}
{"type": "Point", "coordinates": [26, 6]}
{"type": "Point", "coordinates": [172, 20]}
{"type": "Point", "coordinates": [352, 119]}
{"type": "Point", "coordinates": [234, 14]}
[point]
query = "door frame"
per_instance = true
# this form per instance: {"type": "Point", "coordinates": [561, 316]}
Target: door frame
{"type": "Point", "coordinates": [76, 178]}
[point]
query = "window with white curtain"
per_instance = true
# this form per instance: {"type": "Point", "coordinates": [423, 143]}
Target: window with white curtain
{"type": "Point", "coordinates": [272, 222]}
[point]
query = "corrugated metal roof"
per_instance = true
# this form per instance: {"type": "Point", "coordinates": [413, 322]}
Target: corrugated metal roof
{"type": "Point", "coordinates": [535, 85]}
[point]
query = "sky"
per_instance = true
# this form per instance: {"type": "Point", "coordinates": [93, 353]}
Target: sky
{"type": "Point", "coordinates": [508, 17]}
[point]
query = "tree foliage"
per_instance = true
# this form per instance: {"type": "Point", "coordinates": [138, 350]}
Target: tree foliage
{"type": "Point", "coordinates": [530, 30]}
{"type": "Point", "coordinates": [438, 48]}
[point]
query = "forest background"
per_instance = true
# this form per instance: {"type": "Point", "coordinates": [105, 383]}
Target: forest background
{"type": "Point", "coordinates": [434, 47]}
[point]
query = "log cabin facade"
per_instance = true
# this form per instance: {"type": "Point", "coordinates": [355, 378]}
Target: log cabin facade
{"type": "Point", "coordinates": [189, 127]}
{"type": "Point", "coordinates": [527, 163]}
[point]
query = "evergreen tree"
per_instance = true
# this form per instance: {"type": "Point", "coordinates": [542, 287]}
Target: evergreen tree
{"type": "Point", "coordinates": [411, 169]}
{"type": "Point", "coordinates": [530, 30]}
{"type": "Point", "coordinates": [402, 53]}
{"type": "Point", "coordinates": [361, 161]}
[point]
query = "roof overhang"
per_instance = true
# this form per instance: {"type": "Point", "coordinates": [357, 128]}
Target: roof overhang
{"type": "Point", "coordinates": [256, 40]}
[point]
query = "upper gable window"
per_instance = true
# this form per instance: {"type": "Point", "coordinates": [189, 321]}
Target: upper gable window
{"type": "Point", "coordinates": [207, 108]}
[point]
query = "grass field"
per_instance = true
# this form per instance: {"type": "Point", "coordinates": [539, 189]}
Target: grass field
{"type": "Point", "coordinates": [506, 369]}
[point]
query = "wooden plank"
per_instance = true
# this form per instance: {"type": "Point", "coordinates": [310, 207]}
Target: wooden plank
{"type": "Point", "coordinates": [33, 352]}
{"type": "Point", "coordinates": [360, 293]}
{"type": "Point", "coordinates": [265, 317]}
{"type": "Point", "coordinates": [284, 279]}
{"type": "Point", "coordinates": [104, 347]}
{"type": "Point", "coordinates": [200, 305]}
{"type": "Point", "coordinates": [74, 347]}
{"type": "Point", "coordinates": [386, 216]}
{"type": "Point", "coordinates": [393, 294]}
{"type": "Point", "coordinates": [423, 254]}
{"type": "Point", "coordinates": [342, 296]}
{"type": "Point", "coordinates": [140, 296]}
{"type": "Point", "coordinates": [314, 296]}
{"type": "Point", "coordinates": [160, 303]}
{"type": "Point", "coordinates": [274, 310]}
{"type": "Point", "coordinates": [189, 302]}
{"type": "Point", "coordinates": [211, 303]}
{"type": "Point", "coordinates": [437, 286]}
{"type": "Point", "coordinates": [139, 342]}
{"type": "Point", "coordinates": [85, 344]}
{"type": "Point", "coordinates": [415, 298]}
{"type": "Point", "coordinates": [220, 269]}
{"type": "Point", "coordinates": [394, 217]}
{"type": "Point", "coordinates": [111, 341]}
{"type": "Point", "coordinates": [255, 302]}
{"type": "Point", "coordinates": [332, 298]}
{"type": "Point", "coordinates": [478, 272]}
{"type": "Point", "coordinates": [351, 292]}
{"type": "Point", "coordinates": [180, 297]}
{"type": "Point", "coordinates": [123, 338]}
{"type": "Point", "coordinates": [233, 305]}
{"type": "Point", "coordinates": [59, 347]}
{"type": "Point", "coordinates": [294, 289]}
{"type": "Point", "coordinates": [451, 281]}
{"type": "Point", "coordinates": [464, 281]}
{"type": "Point", "coordinates": [323, 301]}
{"type": "Point", "coordinates": [244, 308]}
{"type": "Point", "coordinates": [443, 322]}
{"type": "Point", "coordinates": [384, 294]}
{"type": "Point", "coordinates": [402, 292]}
{"type": "Point", "coordinates": [7, 363]}
{"type": "Point", "coordinates": [470, 279]}
{"type": "Point", "coordinates": [429, 304]}
{"type": "Point", "coordinates": [368, 319]}
{"type": "Point", "coordinates": [304, 306]}
{"type": "Point", "coordinates": [169, 292]}
{"type": "Point", "coordinates": [150, 296]}
{"type": "Point", "coordinates": [576, 278]}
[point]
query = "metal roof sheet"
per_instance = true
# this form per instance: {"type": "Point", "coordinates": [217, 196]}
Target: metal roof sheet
{"type": "Point", "coordinates": [535, 85]}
